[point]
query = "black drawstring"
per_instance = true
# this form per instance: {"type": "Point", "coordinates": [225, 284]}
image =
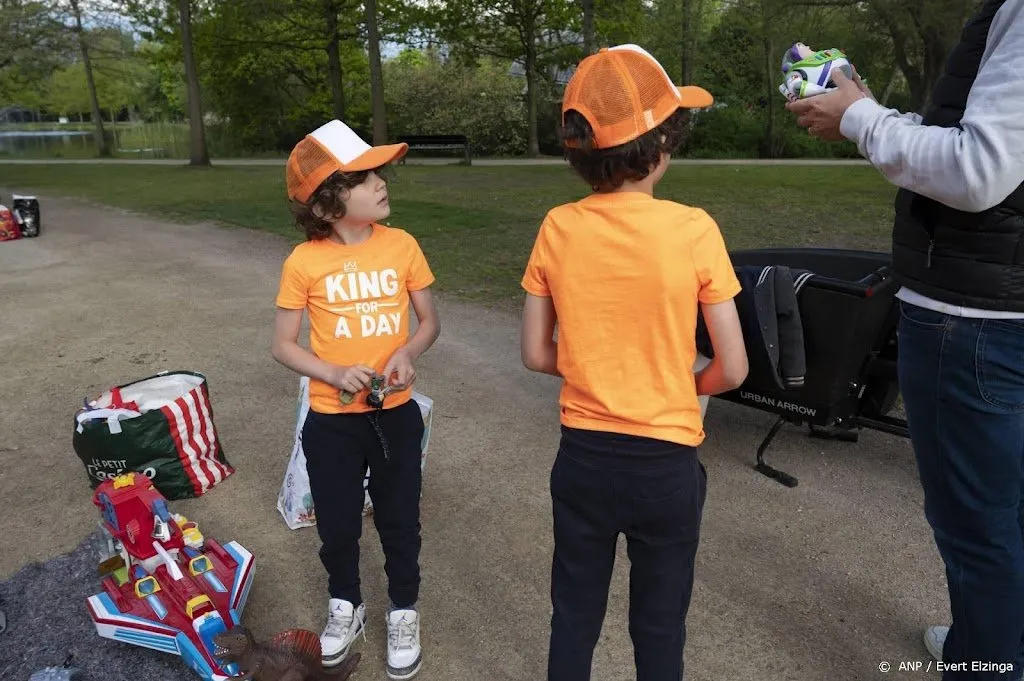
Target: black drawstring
{"type": "Point", "coordinates": [374, 419]}
{"type": "Point", "coordinates": [378, 392]}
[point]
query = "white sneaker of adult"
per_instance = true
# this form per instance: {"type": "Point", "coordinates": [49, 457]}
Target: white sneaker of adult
{"type": "Point", "coordinates": [934, 640]}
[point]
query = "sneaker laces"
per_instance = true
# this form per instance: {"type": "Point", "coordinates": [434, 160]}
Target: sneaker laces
{"type": "Point", "coordinates": [402, 634]}
{"type": "Point", "coordinates": [338, 625]}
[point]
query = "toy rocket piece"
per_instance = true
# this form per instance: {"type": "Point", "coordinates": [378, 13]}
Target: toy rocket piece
{"type": "Point", "coordinates": [169, 562]}
{"type": "Point", "coordinates": [193, 538]}
{"type": "Point", "coordinates": [161, 530]}
{"type": "Point", "coordinates": [161, 520]}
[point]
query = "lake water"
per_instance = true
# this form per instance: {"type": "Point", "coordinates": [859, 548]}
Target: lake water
{"type": "Point", "coordinates": [136, 140]}
{"type": "Point", "coordinates": [73, 143]}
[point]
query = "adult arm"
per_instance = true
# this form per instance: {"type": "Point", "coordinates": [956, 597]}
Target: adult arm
{"type": "Point", "coordinates": [970, 168]}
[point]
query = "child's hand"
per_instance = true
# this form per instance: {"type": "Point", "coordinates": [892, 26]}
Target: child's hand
{"type": "Point", "coordinates": [352, 379]}
{"type": "Point", "coordinates": [399, 370]}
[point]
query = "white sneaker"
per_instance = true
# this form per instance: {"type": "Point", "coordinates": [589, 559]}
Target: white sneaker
{"type": "Point", "coordinates": [344, 624]}
{"type": "Point", "coordinates": [404, 653]}
{"type": "Point", "coordinates": [935, 640]}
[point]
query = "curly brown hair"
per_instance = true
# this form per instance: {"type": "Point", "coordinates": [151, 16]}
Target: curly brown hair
{"type": "Point", "coordinates": [315, 216]}
{"type": "Point", "coordinates": [608, 169]}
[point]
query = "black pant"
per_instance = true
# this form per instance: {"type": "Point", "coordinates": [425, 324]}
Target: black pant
{"type": "Point", "coordinates": [338, 448]}
{"type": "Point", "coordinates": [603, 484]}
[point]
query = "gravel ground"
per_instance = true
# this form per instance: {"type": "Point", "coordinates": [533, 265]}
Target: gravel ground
{"type": "Point", "coordinates": [48, 623]}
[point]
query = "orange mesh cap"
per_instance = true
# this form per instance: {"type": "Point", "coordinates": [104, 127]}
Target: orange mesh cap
{"type": "Point", "coordinates": [624, 92]}
{"type": "Point", "coordinates": [332, 147]}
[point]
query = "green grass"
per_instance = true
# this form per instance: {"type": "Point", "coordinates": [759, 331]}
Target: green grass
{"type": "Point", "coordinates": [477, 225]}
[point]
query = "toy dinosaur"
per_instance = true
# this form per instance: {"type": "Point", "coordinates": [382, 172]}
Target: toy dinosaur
{"type": "Point", "coordinates": [292, 655]}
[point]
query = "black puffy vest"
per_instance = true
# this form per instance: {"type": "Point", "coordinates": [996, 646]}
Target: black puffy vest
{"type": "Point", "coordinates": [968, 259]}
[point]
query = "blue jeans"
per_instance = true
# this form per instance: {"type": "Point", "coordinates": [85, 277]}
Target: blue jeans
{"type": "Point", "coordinates": [962, 382]}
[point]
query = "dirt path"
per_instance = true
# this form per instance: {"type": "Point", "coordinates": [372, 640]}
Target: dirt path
{"type": "Point", "coordinates": [823, 581]}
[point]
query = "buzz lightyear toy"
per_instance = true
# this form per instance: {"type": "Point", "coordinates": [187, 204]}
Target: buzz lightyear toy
{"type": "Point", "coordinates": [809, 73]}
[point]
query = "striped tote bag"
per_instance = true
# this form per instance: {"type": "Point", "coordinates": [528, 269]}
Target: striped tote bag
{"type": "Point", "coordinates": [161, 427]}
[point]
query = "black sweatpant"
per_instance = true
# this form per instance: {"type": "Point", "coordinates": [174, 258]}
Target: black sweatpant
{"type": "Point", "coordinates": [338, 449]}
{"type": "Point", "coordinates": [604, 484]}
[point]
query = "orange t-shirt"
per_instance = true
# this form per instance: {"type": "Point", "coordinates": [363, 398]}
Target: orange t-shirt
{"type": "Point", "coordinates": [626, 272]}
{"type": "Point", "coordinates": [357, 298]}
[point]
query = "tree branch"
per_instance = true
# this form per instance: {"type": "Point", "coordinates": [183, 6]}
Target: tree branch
{"type": "Point", "coordinates": [899, 40]}
{"type": "Point", "coordinates": [297, 45]}
{"type": "Point", "coordinates": [299, 74]}
{"type": "Point", "coordinates": [492, 51]}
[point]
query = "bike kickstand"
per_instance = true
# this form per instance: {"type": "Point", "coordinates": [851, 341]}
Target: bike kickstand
{"type": "Point", "coordinates": [766, 470]}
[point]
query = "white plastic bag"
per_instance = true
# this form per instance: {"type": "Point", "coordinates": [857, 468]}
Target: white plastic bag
{"type": "Point", "coordinates": [294, 501]}
{"type": "Point", "coordinates": [702, 362]}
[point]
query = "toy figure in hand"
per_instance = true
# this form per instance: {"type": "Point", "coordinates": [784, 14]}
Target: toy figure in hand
{"type": "Point", "coordinates": [809, 73]}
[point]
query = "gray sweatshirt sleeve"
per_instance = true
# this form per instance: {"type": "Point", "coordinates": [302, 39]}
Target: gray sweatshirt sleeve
{"type": "Point", "coordinates": [971, 168]}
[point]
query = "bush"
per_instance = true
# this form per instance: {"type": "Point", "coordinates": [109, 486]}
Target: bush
{"type": "Point", "coordinates": [741, 131]}
{"type": "Point", "coordinates": [428, 96]}
{"type": "Point", "coordinates": [725, 132]}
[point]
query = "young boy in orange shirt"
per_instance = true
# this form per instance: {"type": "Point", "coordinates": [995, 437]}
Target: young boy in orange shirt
{"type": "Point", "coordinates": [623, 275]}
{"type": "Point", "coordinates": [356, 279]}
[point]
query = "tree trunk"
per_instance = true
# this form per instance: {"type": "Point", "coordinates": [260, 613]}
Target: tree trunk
{"type": "Point", "coordinates": [770, 90]}
{"type": "Point", "coordinates": [920, 77]}
{"type": "Point", "coordinates": [589, 40]}
{"type": "Point", "coordinates": [380, 121]}
{"type": "Point", "coordinates": [934, 64]}
{"type": "Point", "coordinates": [530, 35]}
{"type": "Point", "coordinates": [97, 116]}
{"type": "Point", "coordinates": [686, 70]}
{"type": "Point", "coordinates": [889, 87]}
{"type": "Point", "coordinates": [198, 155]}
{"type": "Point", "coordinates": [334, 60]}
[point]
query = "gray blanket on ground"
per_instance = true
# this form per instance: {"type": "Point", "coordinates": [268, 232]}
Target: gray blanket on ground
{"type": "Point", "coordinates": [48, 622]}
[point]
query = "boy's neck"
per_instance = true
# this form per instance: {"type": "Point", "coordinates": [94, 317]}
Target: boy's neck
{"type": "Point", "coordinates": [644, 186]}
{"type": "Point", "coordinates": [350, 235]}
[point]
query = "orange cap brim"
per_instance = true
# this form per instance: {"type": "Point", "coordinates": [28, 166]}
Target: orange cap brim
{"type": "Point", "coordinates": [694, 97]}
{"type": "Point", "coordinates": [377, 157]}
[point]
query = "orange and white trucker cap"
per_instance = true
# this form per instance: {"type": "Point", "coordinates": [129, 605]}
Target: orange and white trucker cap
{"type": "Point", "coordinates": [331, 148]}
{"type": "Point", "coordinates": [624, 92]}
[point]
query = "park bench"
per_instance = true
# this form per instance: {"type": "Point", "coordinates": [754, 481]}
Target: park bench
{"type": "Point", "coordinates": [438, 143]}
{"type": "Point", "coordinates": [151, 152]}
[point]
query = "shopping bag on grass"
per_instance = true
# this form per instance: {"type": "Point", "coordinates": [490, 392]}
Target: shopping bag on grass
{"type": "Point", "coordinates": [295, 501]}
{"type": "Point", "coordinates": [161, 427]}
